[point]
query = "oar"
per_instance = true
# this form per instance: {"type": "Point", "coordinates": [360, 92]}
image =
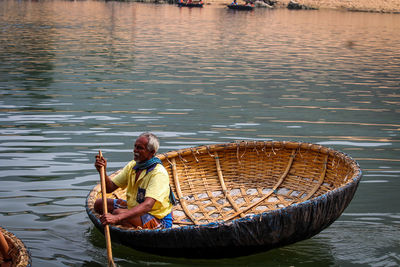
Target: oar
{"type": "Point", "coordinates": [106, 227]}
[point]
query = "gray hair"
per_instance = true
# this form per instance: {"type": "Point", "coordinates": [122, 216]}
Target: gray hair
{"type": "Point", "coordinates": [153, 143]}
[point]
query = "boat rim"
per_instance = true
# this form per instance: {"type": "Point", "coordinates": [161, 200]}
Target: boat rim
{"type": "Point", "coordinates": [352, 182]}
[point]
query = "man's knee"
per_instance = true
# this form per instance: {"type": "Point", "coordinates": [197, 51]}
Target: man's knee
{"type": "Point", "coordinates": [98, 205]}
{"type": "Point", "coordinates": [118, 211]}
{"type": "Point", "coordinates": [130, 222]}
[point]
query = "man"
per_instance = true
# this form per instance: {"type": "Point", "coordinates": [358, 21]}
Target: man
{"type": "Point", "coordinates": [147, 189]}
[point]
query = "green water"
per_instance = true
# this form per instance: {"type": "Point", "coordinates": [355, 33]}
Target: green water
{"type": "Point", "coordinates": [80, 76]}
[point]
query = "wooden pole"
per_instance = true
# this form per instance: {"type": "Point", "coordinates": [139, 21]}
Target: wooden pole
{"type": "Point", "coordinates": [106, 227]}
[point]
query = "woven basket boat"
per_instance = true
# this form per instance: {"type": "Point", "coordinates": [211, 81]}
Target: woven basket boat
{"type": "Point", "coordinates": [245, 197]}
{"type": "Point", "coordinates": [17, 250]}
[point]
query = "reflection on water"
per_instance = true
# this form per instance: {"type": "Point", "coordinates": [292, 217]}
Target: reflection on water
{"type": "Point", "coordinates": [76, 77]}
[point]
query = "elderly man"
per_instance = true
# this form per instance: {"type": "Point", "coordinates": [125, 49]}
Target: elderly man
{"type": "Point", "coordinates": [147, 189]}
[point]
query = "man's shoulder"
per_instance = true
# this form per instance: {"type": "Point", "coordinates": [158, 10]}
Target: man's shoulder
{"type": "Point", "coordinates": [132, 162]}
{"type": "Point", "coordinates": [159, 173]}
{"type": "Point", "coordinates": [127, 169]}
{"type": "Point", "coordinates": [121, 179]}
{"type": "Point", "coordinates": [130, 165]}
{"type": "Point", "coordinates": [159, 177]}
{"type": "Point", "coordinates": [160, 169]}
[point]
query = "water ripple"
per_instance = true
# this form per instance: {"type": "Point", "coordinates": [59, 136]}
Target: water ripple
{"type": "Point", "coordinates": [79, 76]}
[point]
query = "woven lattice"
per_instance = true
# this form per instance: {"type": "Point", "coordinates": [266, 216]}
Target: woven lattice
{"type": "Point", "coordinates": [17, 250]}
{"type": "Point", "coordinates": [228, 181]}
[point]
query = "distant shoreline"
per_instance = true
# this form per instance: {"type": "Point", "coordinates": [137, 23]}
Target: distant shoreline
{"type": "Point", "coordinates": [387, 6]}
{"type": "Point", "coordinates": [377, 6]}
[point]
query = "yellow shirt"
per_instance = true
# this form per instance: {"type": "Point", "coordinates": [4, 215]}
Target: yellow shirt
{"type": "Point", "coordinates": [154, 184]}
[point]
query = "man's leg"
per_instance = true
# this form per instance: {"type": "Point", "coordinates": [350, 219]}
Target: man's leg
{"type": "Point", "coordinates": [145, 221]}
{"type": "Point", "coordinates": [98, 205]}
{"type": "Point", "coordinates": [118, 206]}
{"type": "Point", "coordinates": [131, 222]}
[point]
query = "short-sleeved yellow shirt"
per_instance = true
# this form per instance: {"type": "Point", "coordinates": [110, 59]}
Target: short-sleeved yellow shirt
{"type": "Point", "coordinates": [154, 184]}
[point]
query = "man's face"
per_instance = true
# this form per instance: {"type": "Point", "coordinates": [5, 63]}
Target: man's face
{"type": "Point", "coordinates": [140, 151]}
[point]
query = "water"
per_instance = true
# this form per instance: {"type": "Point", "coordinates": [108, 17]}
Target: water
{"type": "Point", "coordinates": [76, 77]}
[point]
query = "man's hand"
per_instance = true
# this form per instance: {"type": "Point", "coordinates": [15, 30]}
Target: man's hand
{"type": "Point", "coordinates": [100, 162]}
{"type": "Point", "coordinates": [109, 219]}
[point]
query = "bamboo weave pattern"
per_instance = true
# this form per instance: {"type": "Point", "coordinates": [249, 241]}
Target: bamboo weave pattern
{"type": "Point", "coordinates": [17, 250]}
{"type": "Point", "coordinates": [228, 181]}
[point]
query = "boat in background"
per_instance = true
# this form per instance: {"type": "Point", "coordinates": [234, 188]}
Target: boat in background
{"type": "Point", "coordinates": [244, 197]}
{"type": "Point", "coordinates": [240, 7]}
{"type": "Point", "coordinates": [17, 250]}
{"type": "Point", "coordinates": [190, 4]}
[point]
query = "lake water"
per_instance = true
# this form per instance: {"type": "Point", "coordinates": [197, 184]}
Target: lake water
{"type": "Point", "coordinates": [80, 76]}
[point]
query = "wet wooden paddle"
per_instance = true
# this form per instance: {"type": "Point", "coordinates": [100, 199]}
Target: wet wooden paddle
{"type": "Point", "coordinates": [106, 227]}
